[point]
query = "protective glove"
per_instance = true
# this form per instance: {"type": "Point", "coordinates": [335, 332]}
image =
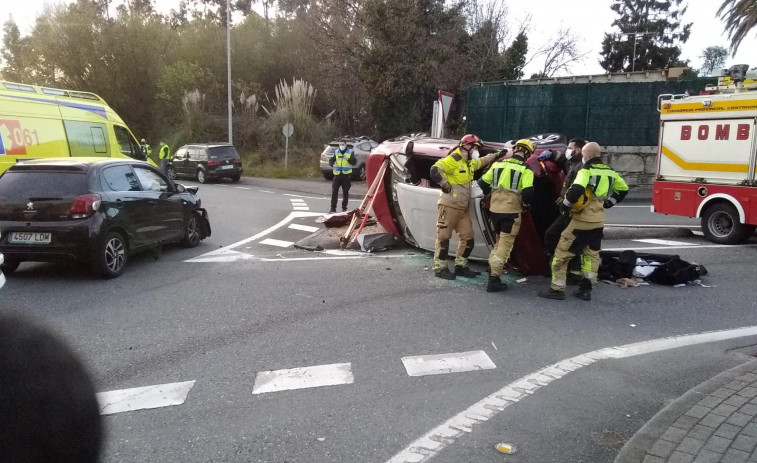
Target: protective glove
{"type": "Point", "coordinates": [608, 204]}
{"type": "Point", "coordinates": [564, 210]}
{"type": "Point", "coordinates": [446, 187]}
{"type": "Point", "coordinates": [546, 154]}
{"type": "Point", "coordinates": [500, 155]}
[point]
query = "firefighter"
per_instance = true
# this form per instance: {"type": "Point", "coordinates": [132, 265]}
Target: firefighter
{"type": "Point", "coordinates": [146, 150]}
{"type": "Point", "coordinates": [341, 164]}
{"type": "Point", "coordinates": [454, 174]}
{"type": "Point", "coordinates": [573, 163]}
{"type": "Point", "coordinates": [597, 187]}
{"type": "Point", "coordinates": [512, 184]}
{"type": "Point", "coordinates": [164, 155]}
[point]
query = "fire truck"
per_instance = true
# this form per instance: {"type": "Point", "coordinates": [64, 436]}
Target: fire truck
{"type": "Point", "coordinates": [706, 156]}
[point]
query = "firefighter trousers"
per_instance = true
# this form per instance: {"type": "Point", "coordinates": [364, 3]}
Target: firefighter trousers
{"type": "Point", "coordinates": [453, 220]}
{"type": "Point", "coordinates": [578, 238]}
{"type": "Point", "coordinates": [507, 227]}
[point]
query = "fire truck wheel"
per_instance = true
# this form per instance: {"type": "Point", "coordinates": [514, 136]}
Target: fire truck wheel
{"type": "Point", "coordinates": [720, 224]}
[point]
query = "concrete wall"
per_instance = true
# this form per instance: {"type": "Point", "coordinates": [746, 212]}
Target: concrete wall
{"type": "Point", "coordinates": [636, 164]}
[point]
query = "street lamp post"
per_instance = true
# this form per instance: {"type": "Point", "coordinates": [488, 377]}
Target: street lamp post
{"type": "Point", "coordinates": [635, 41]}
{"type": "Point", "coordinates": [228, 64]}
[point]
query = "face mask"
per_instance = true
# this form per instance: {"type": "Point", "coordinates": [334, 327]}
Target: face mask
{"type": "Point", "coordinates": [342, 147]}
{"type": "Point", "coordinates": [568, 154]}
{"type": "Point", "coordinates": [474, 154]}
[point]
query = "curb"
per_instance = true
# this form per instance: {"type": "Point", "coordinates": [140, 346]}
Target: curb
{"type": "Point", "coordinates": [635, 449]}
{"type": "Point", "coordinates": [631, 233]}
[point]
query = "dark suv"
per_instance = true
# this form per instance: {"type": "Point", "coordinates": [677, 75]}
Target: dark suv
{"type": "Point", "coordinates": [97, 211]}
{"type": "Point", "coordinates": [206, 161]}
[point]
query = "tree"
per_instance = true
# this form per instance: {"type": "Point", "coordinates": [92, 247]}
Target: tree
{"type": "Point", "coordinates": [559, 53]}
{"type": "Point", "coordinates": [515, 57]}
{"type": "Point", "coordinates": [13, 53]}
{"type": "Point", "coordinates": [654, 26]}
{"type": "Point", "coordinates": [713, 59]}
{"type": "Point", "coordinates": [740, 17]}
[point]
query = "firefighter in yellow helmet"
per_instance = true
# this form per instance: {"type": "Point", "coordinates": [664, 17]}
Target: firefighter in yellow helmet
{"type": "Point", "coordinates": [511, 182]}
{"type": "Point", "coordinates": [454, 174]}
{"type": "Point", "coordinates": [597, 187]}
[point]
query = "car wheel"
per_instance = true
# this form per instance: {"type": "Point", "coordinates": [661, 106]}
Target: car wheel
{"type": "Point", "coordinates": [359, 174]}
{"type": "Point", "coordinates": [201, 177]}
{"type": "Point", "coordinates": [9, 266]}
{"type": "Point", "coordinates": [720, 224]}
{"type": "Point", "coordinates": [236, 178]}
{"type": "Point", "coordinates": [191, 232]}
{"type": "Point", "coordinates": [328, 175]}
{"type": "Point", "coordinates": [111, 259]}
{"type": "Point", "coordinates": [171, 172]}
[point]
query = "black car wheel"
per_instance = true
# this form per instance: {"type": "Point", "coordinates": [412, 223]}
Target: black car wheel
{"type": "Point", "coordinates": [171, 172]}
{"type": "Point", "coordinates": [201, 177]}
{"type": "Point", "coordinates": [359, 174]}
{"type": "Point", "coordinates": [111, 259]}
{"type": "Point", "coordinates": [720, 224]}
{"type": "Point", "coordinates": [191, 232]}
{"type": "Point", "coordinates": [9, 266]}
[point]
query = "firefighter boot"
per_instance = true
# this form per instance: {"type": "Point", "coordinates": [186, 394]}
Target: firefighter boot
{"type": "Point", "coordinates": [553, 294]}
{"type": "Point", "coordinates": [444, 274]}
{"type": "Point", "coordinates": [584, 290]}
{"type": "Point", "coordinates": [465, 272]}
{"type": "Point", "coordinates": [495, 285]}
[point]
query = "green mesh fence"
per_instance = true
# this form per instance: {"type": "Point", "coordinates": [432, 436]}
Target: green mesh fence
{"type": "Point", "coordinates": [614, 114]}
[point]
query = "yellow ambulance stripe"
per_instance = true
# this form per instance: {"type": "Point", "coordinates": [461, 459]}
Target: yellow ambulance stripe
{"type": "Point", "coordinates": [704, 166]}
{"type": "Point", "coordinates": [739, 105]}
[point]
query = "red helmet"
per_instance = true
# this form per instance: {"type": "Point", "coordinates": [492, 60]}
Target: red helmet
{"type": "Point", "coordinates": [471, 139]}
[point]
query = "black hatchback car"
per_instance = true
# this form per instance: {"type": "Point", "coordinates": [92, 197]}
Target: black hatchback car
{"type": "Point", "coordinates": [97, 211]}
{"type": "Point", "coordinates": [206, 161]}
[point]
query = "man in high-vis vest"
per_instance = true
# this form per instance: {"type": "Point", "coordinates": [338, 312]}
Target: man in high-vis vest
{"type": "Point", "coordinates": [597, 187]}
{"type": "Point", "coordinates": [511, 182]}
{"type": "Point", "coordinates": [454, 174]}
{"type": "Point", "coordinates": [341, 164]}
{"type": "Point", "coordinates": [146, 150]}
{"type": "Point", "coordinates": [164, 155]}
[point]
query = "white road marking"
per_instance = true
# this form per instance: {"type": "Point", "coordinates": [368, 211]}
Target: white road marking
{"type": "Point", "coordinates": [297, 200]}
{"type": "Point", "coordinates": [697, 246]}
{"type": "Point", "coordinates": [423, 365]}
{"type": "Point", "coordinates": [277, 243]}
{"type": "Point", "coordinates": [242, 188]}
{"type": "Point", "coordinates": [142, 398]}
{"type": "Point", "coordinates": [302, 378]}
{"type": "Point", "coordinates": [304, 259]}
{"type": "Point", "coordinates": [305, 228]}
{"type": "Point", "coordinates": [665, 242]}
{"type": "Point", "coordinates": [437, 439]}
{"type": "Point", "coordinates": [224, 250]}
{"type": "Point", "coordinates": [225, 256]}
{"type": "Point", "coordinates": [301, 208]}
{"type": "Point", "coordinates": [608, 225]}
{"type": "Point", "coordinates": [266, 191]}
{"type": "Point", "coordinates": [317, 197]}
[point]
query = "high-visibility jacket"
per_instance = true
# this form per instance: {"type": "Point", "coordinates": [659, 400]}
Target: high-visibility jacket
{"type": "Point", "coordinates": [512, 185]}
{"type": "Point", "coordinates": [458, 172]}
{"type": "Point", "coordinates": [603, 183]}
{"type": "Point", "coordinates": [343, 161]}
{"type": "Point", "coordinates": [165, 152]}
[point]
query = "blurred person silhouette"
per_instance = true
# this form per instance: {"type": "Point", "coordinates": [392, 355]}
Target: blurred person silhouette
{"type": "Point", "coordinates": [48, 408]}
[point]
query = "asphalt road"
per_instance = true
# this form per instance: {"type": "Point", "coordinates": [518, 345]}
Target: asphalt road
{"type": "Point", "coordinates": [245, 303]}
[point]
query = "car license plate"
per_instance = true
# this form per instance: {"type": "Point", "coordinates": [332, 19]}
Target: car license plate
{"type": "Point", "coordinates": [227, 167]}
{"type": "Point", "coordinates": [30, 238]}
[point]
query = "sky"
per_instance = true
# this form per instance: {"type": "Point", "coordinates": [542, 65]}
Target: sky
{"type": "Point", "coordinates": [587, 19]}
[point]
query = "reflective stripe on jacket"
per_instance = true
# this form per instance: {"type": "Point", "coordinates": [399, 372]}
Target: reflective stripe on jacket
{"type": "Point", "coordinates": [458, 173]}
{"type": "Point", "coordinates": [343, 162]}
{"type": "Point", "coordinates": [165, 152]}
{"type": "Point", "coordinates": [604, 183]}
{"type": "Point", "coordinates": [512, 183]}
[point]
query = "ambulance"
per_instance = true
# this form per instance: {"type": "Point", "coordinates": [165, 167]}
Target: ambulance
{"type": "Point", "coordinates": [40, 122]}
{"type": "Point", "coordinates": [706, 156]}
